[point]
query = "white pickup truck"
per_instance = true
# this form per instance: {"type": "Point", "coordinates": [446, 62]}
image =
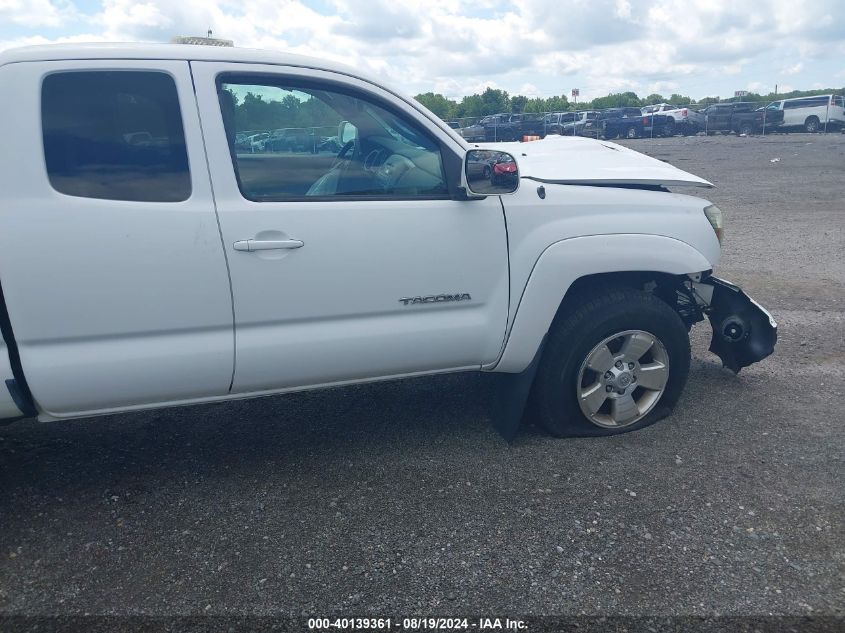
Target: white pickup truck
{"type": "Point", "coordinates": [177, 269]}
{"type": "Point", "coordinates": [679, 119]}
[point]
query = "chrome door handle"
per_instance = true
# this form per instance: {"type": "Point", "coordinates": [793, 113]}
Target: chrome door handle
{"type": "Point", "coordinates": [267, 245]}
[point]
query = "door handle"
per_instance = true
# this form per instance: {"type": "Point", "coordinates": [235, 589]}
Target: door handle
{"type": "Point", "coordinates": [267, 245]}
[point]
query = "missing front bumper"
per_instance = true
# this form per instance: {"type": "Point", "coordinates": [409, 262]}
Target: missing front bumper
{"type": "Point", "coordinates": [743, 331]}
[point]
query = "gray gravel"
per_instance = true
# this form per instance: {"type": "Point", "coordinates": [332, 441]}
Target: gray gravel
{"type": "Point", "coordinates": [399, 498]}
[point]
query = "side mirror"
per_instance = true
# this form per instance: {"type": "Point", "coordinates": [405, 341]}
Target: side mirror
{"type": "Point", "coordinates": [491, 172]}
{"type": "Point", "coordinates": [346, 132]}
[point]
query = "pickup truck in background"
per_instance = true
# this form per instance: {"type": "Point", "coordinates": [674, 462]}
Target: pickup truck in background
{"type": "Point", "coordinates": [583, 125]}
{"type": "Point", "coordinates": [193, 270]}
{"type": "Point", "coordinates": [678, 119]}
{"type": "Point", "coordinates": [477, 132]}
{"type": "Point", "coordinates": [514, 127]}
{"type": "Point", "coordinates": [741, 118]}
{"type": "Point", "coordinates": [556, 122]}
{"type": "Point", "coordinates": [625, 122]}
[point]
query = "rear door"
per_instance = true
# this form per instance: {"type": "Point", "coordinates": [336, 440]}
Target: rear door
{"type": "Point", "coordinates": [351, 264]}
{"type": "Point", "coordinates": [110, 254]}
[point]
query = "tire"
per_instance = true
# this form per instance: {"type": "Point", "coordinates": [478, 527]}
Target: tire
{"type": "Point", "coordinates": [669, 128]}
{"type": "Point", "coordinates": [811, 125]}
{"type": "Point", "coordinates": [572, 341]}
{"type": "Point", "coordinates": [632, 132]}
{"type": "Point", "coordinates": [746, 128]}
{"type": "Point", "coordinates": [487, 171]}
{"type": "Point", "coordinates": [609, 134]}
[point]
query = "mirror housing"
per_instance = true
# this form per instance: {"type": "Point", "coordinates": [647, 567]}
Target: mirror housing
{"type": "Point", "coordinates": [346, 132]}
{"type": "Point", "coordinates": [489, 172]}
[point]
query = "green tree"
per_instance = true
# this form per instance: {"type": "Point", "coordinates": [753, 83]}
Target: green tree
{"type": "Point", "coordinates": [495, 101]}
{"type": "Point", "coordinates": [518, 104]}
{"type": "Point", "coordinates": [677, 99]}
{"type": "Point", "coordinates": [655, 98]}
{"type": "Point", "coordinates": [706, 101]}
{"type": "Point", "coordinates": [617, 100]}
{"type": "Point", "coordinates": [437, 103]}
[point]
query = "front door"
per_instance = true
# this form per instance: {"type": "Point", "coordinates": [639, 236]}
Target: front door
{"type": "Point", "coordinates": [349, 258]}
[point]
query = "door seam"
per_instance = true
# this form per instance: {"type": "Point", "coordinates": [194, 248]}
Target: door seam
{"type": "Point", "coordinates": [219, 228]}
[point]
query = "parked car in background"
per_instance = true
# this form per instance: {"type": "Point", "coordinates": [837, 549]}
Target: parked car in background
{"type": "Point", "coordinates": [484, 130]}
{"type": "Point", "coordinates": [255, 143]}
{"type": "Point", "coordinates": [583, 125]}
{"type": "Point", "coordinates": [678, 119]}
{"type": "Point", "coordinates": [555, 122]}
{"type": "Point", "coordinates": [515, 127]}
{"type": "Point", "coordinates": [740, 117]}
{"type": "Point", "coordinates": [504, 170]}
{"type": "Point", "coordinates": [811, 113]}
{"type": "Point", "coordinates": [479, 165]}
{"type": "Point", "coordinates": [624, 122]}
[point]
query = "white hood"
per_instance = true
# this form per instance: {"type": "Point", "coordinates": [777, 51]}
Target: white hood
{"type": "Point", "coordinates": [578, 160]}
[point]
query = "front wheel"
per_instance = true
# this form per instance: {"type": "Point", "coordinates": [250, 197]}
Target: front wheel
{"type": "Point", "coordinates": [746, 128]}
{"type": "Point", "coordinates": [811, 125]}
{"type": "Point", "coordinates": [632, 132]}
{"type": "Point", "coordinates": [615, 364]}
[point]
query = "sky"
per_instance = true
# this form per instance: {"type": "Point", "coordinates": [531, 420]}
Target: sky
{"type": "Point", "coordinates": [458, 47]}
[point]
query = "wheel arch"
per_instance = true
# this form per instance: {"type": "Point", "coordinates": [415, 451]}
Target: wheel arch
{"type": "Point", "coordinates": [569, 267]}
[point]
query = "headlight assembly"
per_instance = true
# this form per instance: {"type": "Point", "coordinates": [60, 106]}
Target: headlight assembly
{"type": "Point", "coordinates": [716, 219]}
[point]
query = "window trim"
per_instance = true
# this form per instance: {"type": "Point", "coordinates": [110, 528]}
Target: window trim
{"type": "Point", "coordinates": [449, 160]}
{"type": "Point", "coordinates": [113, 70]}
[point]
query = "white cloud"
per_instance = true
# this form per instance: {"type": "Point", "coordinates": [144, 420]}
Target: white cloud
{"type": "Point", "coordinates": [35, 13]}
{"type": "Point", "coordinates": [794, 69]}
{"type": "Point", "coordinates": [458, 48]}
{"type": "Point", "coordinates": [529, 90]}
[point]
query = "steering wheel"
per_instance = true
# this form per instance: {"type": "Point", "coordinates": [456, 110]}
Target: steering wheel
{"type": "Point", "coordinates": [342, 154]}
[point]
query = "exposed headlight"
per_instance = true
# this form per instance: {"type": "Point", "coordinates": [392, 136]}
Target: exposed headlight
{"type": "Point", "coordinates": [716, 219]}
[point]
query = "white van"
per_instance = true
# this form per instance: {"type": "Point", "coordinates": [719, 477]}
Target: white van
{"type": "Point", "coordinates": [812, 113]}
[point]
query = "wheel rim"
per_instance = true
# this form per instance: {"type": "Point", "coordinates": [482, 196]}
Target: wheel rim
{"type": "Point", "coordinates": [622, 379]}
{"type": "Point", "coordinates": [632, 133]}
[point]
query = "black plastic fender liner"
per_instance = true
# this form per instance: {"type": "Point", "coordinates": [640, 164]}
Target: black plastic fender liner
{"type": "Point", "coordinates": [511, 396]}
{"type": "Point", "coordinates": [20, 400]}
{"type": "Point", "coordinates": [17, 387]}
{"type": "Point", "coordinates": [743, 331]}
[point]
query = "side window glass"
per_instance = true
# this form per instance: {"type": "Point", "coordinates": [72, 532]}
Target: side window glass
{"type": "Point", "coordinates": [309, 141]}
{"type": "Point", "coordinates": [115, 135]}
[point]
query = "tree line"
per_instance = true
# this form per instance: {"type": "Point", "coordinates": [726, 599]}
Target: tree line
{"type": "Point", "coordinates": [495, 101]}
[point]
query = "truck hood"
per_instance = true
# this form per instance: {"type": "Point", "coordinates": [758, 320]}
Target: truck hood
{"type": "Point", "coordinates": [584, 161]}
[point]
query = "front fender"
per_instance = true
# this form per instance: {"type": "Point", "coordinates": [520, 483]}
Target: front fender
{"type": "Point", "coordinates": [562, 263]}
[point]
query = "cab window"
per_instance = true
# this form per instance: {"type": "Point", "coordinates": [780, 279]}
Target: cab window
{"type": "Point", "coordinates": [115, 135]}
{"type": "Point", "coordinates": [303, 141]}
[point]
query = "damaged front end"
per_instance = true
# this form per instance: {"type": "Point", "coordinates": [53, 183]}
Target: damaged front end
{"type": "Point", "coordinates": [743, 331]}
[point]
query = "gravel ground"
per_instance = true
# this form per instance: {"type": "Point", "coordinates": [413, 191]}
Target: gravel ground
{"type": "Point", "coordinates": [399, 499]}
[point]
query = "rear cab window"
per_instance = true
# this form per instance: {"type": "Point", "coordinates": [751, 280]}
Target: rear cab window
{"type": "Point", "coordinates": [115, 135]}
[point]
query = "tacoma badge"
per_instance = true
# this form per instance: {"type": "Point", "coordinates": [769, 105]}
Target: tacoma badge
{"type": "Point", "coordinates": [464, 296]}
